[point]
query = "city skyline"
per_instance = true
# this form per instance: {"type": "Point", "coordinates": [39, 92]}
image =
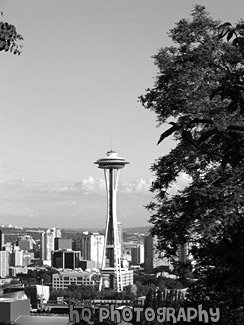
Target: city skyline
{"type": "Point", "coordinates": [74, 88]}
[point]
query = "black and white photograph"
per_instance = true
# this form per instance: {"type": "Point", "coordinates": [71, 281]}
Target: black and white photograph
{"type": "Point", "coordinates": [121, 162]}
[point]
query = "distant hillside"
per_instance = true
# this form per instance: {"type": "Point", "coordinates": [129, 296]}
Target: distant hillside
{"type": "Point", "coordinates": [139, 230]}
{"type": "Point", "coordinates": [11, 234]}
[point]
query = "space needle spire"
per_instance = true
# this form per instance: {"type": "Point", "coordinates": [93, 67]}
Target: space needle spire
{"type": "Point", "coordinates": [111, 261]}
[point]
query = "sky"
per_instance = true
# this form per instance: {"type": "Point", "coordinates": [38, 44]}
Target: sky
{"type": "Point", "coordinates": [72, 95]}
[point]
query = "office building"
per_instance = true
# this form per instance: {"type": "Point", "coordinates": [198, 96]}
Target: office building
{"type": "Point", "coordinates": [64, 279]}
{"type": "Point", "coordinates": [152, 258]}
{"type": "Point", "coordinates": [12, 308]}
{"type": "Point", "coordinates": [137, 254]}
{"type": "Point", "coordinates": [47, 244]}
{"type": "Point", "coordinates": [91, 247]}
{"type": "Point", "coordinates": [110, 280]}
{"type": "Point", "coordinates": [58, 233]}
{"type": "Point", "coordinates": [25, 243]}
{"type": "Point", "coordinates": [66, 259]}
{"type": "Point", "coordinates": [183, 253]}
{"type": "Point", "coordinates": [15, 270]}
{"type": "Point", "coordinates": [86, 265]}
{"type": "Point", "coordinates": [1, 240]}
{"type": "Point", "coordinates": [27, 258]}
{"type": "Point", "coordinates": [120, 235]}
{"type": "Point", "coordinates": [8, 247]}
{"type": "Point", "coordinates": [64, 243]}
{"type": "Point", "coordinates": [16, 258]}
{"type": "Point", "coordinates": [4, 264]}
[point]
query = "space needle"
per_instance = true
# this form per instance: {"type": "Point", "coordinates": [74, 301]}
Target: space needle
{"type": "Point", "coordinates": [111, 261]}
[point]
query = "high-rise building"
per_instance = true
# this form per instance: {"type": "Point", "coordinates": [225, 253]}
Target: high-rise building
{"type": "Point", "coordinates": [25, 243]}
{"type": "Point", "coordinates": [63, 243]}
{"type": "Point", "coordinates": [4, 264]}
{"type": "Point", "coordinates": [1, 240]}
{"type": "Point", "coordinates": [66, 259]}
{"type": "Point", "coordinates": [7, 247]}
{"type": "Point", "coordinates": [91, 247]}
{"type": "Point", "coordinates": [137, 254]}
{"type": "Point", "coordinates": [58, 233]}
{"type": "Point", "coordinates": [152, 258]}
{"type": "Point", "coordinates": [183, 253]}
{"type": "Point", "coordinates": [85, 265]}
{"type": "Point", "coordinates": [120, 234]}
{"type": "Point", "coordinates": [16, 258]}
{"type": "Point", "coordinates": [111, 261]}
{"type": "Point", "coordinates": [27, 258]}
{"type": "Point", "coordinates": [47, 243]}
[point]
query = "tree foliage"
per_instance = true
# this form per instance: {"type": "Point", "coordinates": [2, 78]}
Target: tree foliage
{"type": "Point", "coordinates": [10, 40]}
{"type": "Point", "coordinates": [199, 92]}
{"type": "Point", "coordinates": [78, 293]}
{"type": "Point", "coordinates": [34, 277]}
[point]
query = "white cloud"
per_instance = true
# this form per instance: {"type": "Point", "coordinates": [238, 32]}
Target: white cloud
{"type": "Point", "coordinates": [94, 186]}
{"type": "Point", "coordinates": [13, 181]}
{"type": "Point", "coordinates": [97, 186]}
{"type": "Point", "coordinates": [81, 204]}
{"type": "Point", "coordinates": [90, 185]}
{"type": "Point", "coordinates": [139, 186]}
{"type": "Point", "coordinates": [85, 186]}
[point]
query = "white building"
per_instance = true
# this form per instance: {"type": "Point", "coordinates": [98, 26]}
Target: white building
{"type": "Point", "coordinates": [91, 246]}
{"type": "Point", "coordinates": [47, 244]}
{"type": "Point", "coordinates": [4, 264]}
{"type": "Point", "coordinates": [110, 281]}
{"type": "Point", "coordinates": [8, 247]}
{"type": "Point", "coordinates": [127, 277]}
{"type": "Point", "coordinates": [137, 254]}
{"type": "Point", "coordinates": [66, 278]}
{"type": "Point", "coordinates": [14, 270]}
{"type": "Point", "coordinates": [120, 235]}
{"type": "Point", "coordinates": [25, 242]}
{"type": "Point", "coordinates": [1, 240]}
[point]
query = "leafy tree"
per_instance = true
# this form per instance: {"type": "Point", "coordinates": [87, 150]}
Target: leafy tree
{"type": "Point", "coordinates": [36, 276]}
{"type": "Point", "coordinates": [10, 40]}
{"type": "Point", "coordinates": [159, 299]}
{"type": "Point", "coordinates": [149, 299]}
{"type": "Point", "coordinates": [142, 289]}
{"type": "Point", "coordinates": [236, 33]}
{"type": "Point", "coordinates": [199, 92]}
